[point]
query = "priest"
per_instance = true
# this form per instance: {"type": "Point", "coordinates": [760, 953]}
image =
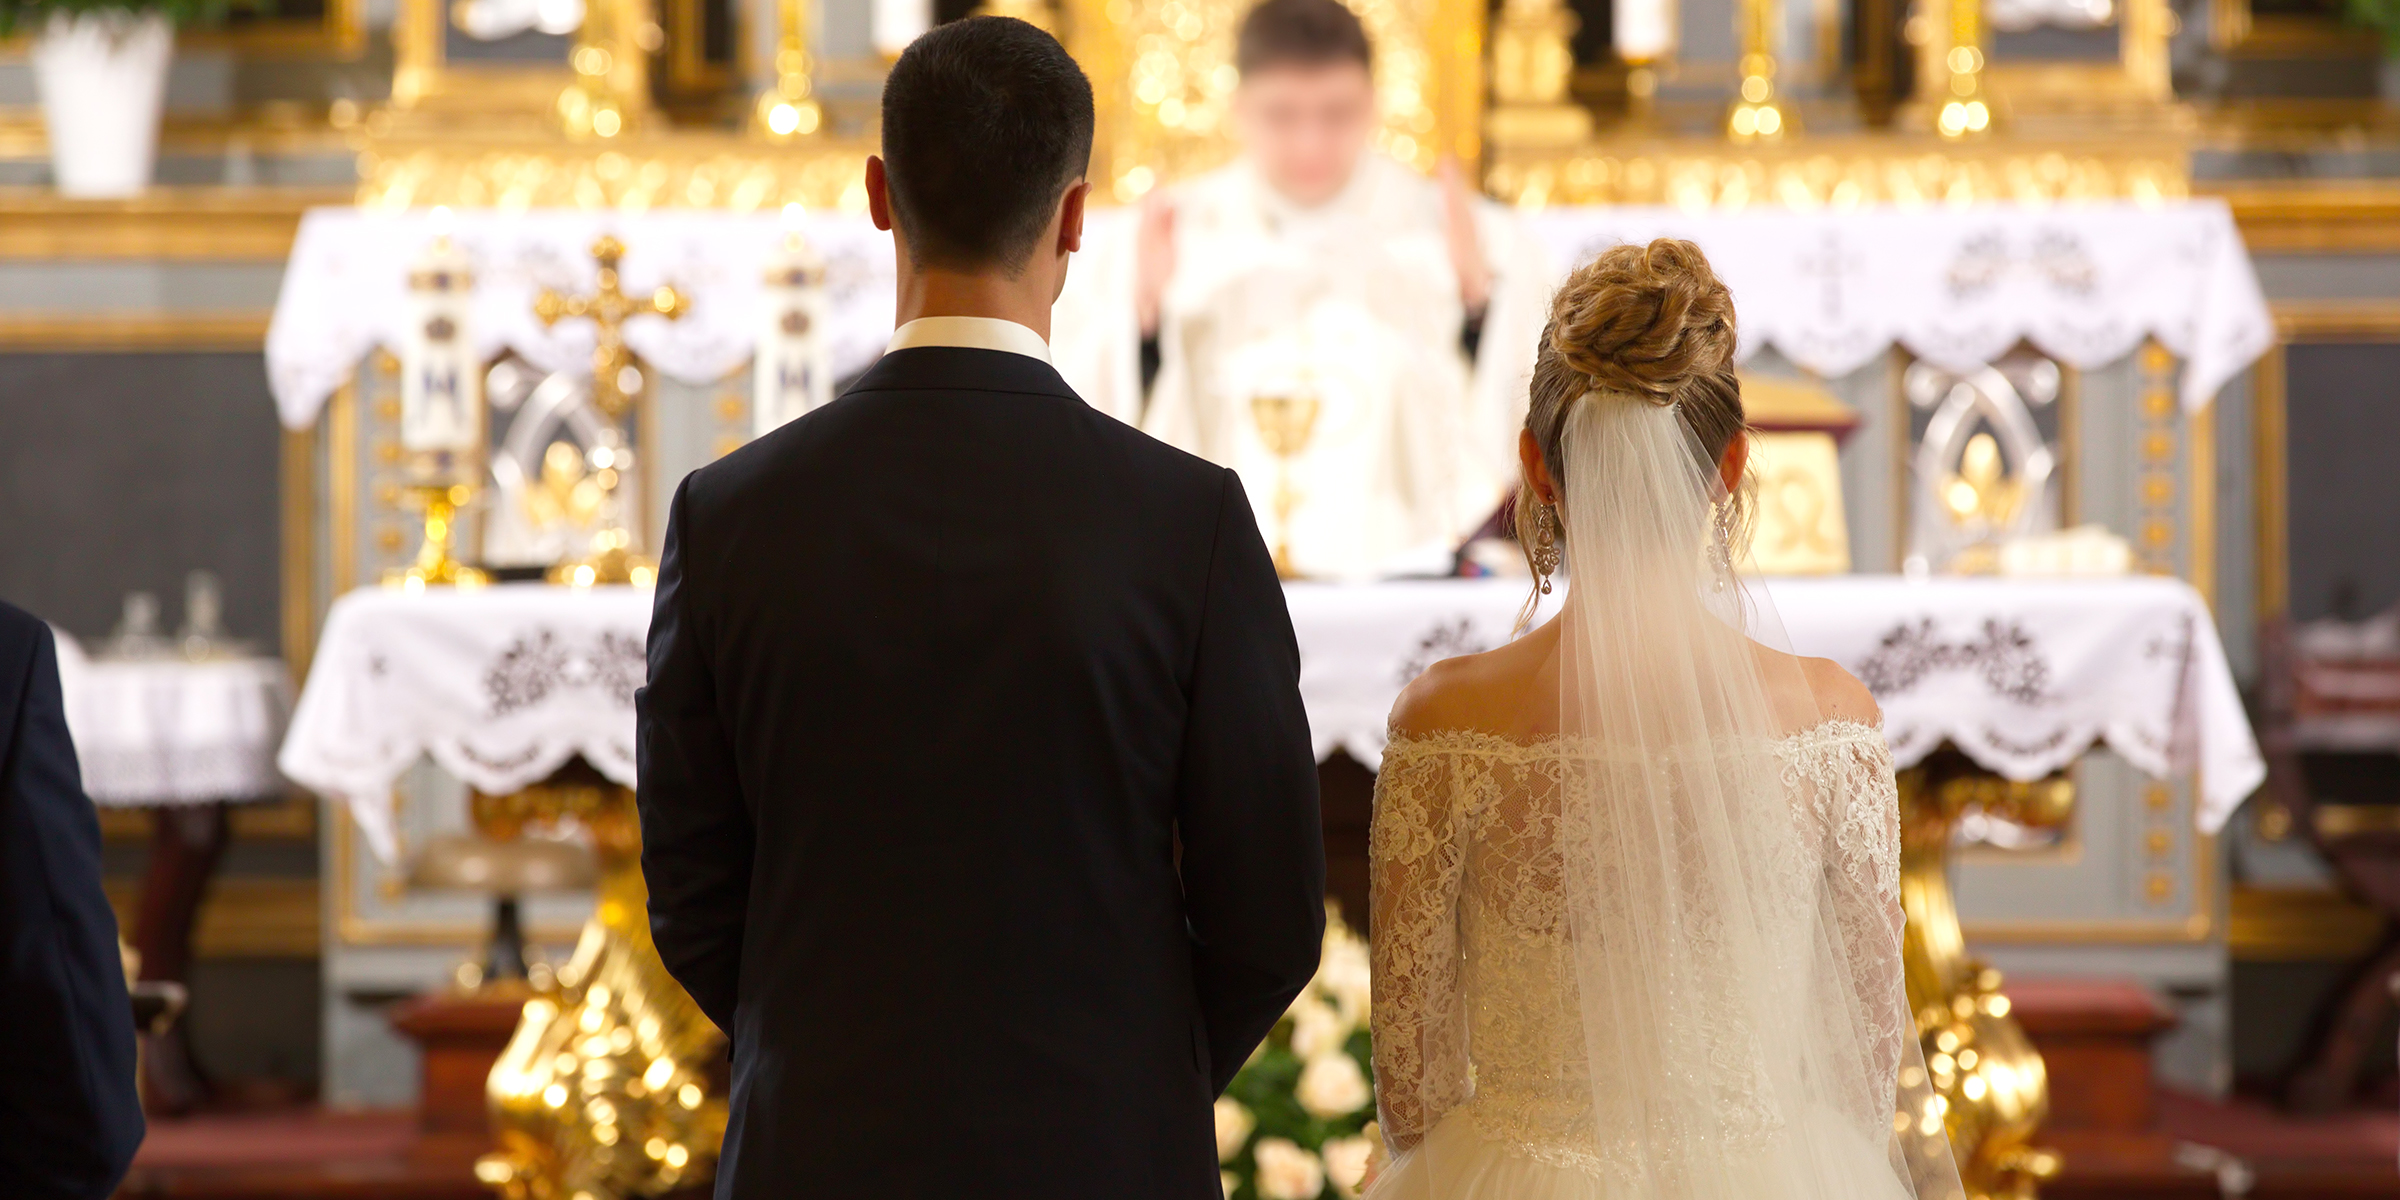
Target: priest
{"type": "Point", "coordinates": [1351, 337]}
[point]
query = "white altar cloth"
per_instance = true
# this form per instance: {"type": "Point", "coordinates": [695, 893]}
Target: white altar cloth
{"type": "Point", "coordinates": [2085, 283]}
{"type": "Point", "coordinates": [345, 290]}
{"type": "Point", "coordinates": [1830, 289]}
{"type": "Point", "coordinates": [157, 732]}
{"type": "Point", "coordinates": [500, 686]}
{"type": "Point", "coordinates": [2021, 675]}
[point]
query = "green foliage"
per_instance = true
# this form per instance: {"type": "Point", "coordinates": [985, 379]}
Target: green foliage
{"type": "Point", "coordinates": [1267, 1086]}
{"type": "Point", "coordinates": [2382, 16]}
{"type": "Point", "coordinates": [29, 16]}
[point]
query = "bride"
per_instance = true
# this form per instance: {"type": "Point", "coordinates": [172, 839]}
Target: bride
{"type": "Point", "coordinates": [1636, 904]}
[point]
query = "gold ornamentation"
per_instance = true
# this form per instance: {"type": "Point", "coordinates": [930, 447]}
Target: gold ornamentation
{"type": "Point", "coordinates": [604, 1089]}
{"type": "Point", "coordinates": [434, 567]}
{"type": "Point", "coordinates": [610, 91]}
{"type": "Point", "coordinates": [1533, 62]}
{"type": "Point", "coordinates": [617, 385]}
{"type": "Point", "coordinates": [1990, 1086]}
{"type": "Point", "coordinates": [1837, 171]}
{"type": "Point", "coordinates": [789, 109]}
{"type": "Point", "coordinates": [654, 171]}
{"type": "Point", "coordinates": [1036, 13]}
{"type": "Point", "coordinates": [1757, 114]}
{"type": "Point", "coordinates": [1286, 421]}
{"type": "Point", "coordinates": [2157, 514]}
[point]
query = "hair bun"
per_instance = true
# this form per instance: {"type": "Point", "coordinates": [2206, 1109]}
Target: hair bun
{"type": "Point", "coordinates": [1644, 319]}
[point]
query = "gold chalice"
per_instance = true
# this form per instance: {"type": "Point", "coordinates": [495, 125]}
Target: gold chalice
{"type": "Point", "coordinates": [1286, 421]}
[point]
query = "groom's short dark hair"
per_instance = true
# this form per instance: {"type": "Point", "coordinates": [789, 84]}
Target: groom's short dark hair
{"type": "Point", "coordinates": [986, 122]}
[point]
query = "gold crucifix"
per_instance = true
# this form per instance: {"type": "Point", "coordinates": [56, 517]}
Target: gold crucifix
{"type": "Point", "coordinates": [613, 557]}
{"type": "Point", "coordinates": [614, 380]}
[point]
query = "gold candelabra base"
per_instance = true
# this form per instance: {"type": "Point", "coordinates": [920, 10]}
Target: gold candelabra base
{"type": "Point", "coordinates": [434, 567]}
{"type": "Point", "coordinates": [1990, 1087]}
{"type": "Point", "coordinates": [605, 1090]}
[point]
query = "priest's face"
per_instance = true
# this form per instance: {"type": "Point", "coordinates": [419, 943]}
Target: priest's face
{"type": "Point", "coordinates": [1305, 126]}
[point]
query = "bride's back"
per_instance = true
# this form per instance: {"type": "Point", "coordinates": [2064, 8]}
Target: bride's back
{"type": "Point", "coordinates": [1635, 874]}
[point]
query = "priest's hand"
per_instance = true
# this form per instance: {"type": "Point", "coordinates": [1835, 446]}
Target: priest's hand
{"type": "Point", "coordinates": [1153, 259]}
{"type": "Point", "coordinates": [1458, 228]}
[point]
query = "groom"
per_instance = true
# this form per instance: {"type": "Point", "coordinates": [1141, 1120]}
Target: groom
{"type": "Point", "coordinates": [977, 799]}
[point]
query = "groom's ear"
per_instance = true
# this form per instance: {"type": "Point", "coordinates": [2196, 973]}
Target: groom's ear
{"type": "Point", "coordinates": [1070, 216]}
{"type": "Point", "coordinates": [879, 193]}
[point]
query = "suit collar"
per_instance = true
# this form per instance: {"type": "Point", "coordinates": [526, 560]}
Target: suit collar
{"type": "Point", "coordinates": [958, 368]}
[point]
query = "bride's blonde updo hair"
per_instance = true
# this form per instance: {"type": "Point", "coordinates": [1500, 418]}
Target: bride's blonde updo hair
{"type": "Point", "coordinates": [1638, 325]}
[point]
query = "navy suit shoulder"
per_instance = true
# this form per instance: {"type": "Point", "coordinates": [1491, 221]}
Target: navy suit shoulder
{"type": "Point", "coordinates": [70, 1118]}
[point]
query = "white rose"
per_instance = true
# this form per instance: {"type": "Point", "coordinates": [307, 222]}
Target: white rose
{"type": "Point", "coordinates": [1317, 1028]}
{"type": "Point", "coordinates": [1347, 976]}
{"type": "Point", "coordinates": [1287, 1172]}
{"type": "Point", "coordinates": [1228, 1181]}
{"type": "Point", "coordinates": [1331, 1085]}
{"type": "Point", "coordinates": [1234, 1124]}
{"type": "Point", "coordinates": [1346, 1163]}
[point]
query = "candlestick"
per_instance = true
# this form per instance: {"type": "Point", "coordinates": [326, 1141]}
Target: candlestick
{"type": "Point", "coordinates": [789, 109]}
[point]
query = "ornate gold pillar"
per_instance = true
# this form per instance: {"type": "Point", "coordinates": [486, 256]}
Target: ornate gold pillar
{"type": "Point", "coordinates": [604, 1092]}
{"type": "Point", "coordinates": [1986, 1076]}
{"type": "Point", "coordinates": [1533, 60]}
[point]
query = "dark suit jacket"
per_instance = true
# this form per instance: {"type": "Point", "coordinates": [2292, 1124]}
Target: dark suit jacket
{"type": "Point", "coordinates": [939, 675]}
{"type": "Point", "coordinates": [69, 1117]}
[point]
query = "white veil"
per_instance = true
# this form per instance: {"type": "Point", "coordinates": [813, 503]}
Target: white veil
{"type": "Point", "coordinates": [1726, 862]}
{"type": "Point", "coordinates": [1730, 856]}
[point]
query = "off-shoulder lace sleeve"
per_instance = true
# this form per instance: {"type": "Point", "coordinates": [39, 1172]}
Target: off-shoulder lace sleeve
{"type": "Point", "coordinates": [1851, 774]}
{"type": "Point", "coordinates": [1417, 848]}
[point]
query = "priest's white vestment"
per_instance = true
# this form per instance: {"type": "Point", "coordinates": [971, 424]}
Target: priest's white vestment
{"type": "Point", "coordinates": [1354, 304]}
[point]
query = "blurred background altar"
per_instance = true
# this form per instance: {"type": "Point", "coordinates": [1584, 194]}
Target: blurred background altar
{"type": "Point", "coordinates": [2075, 325]}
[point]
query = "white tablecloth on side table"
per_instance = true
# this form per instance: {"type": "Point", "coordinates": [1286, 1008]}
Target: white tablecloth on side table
{"type": "Point", "coordinates": [168, 731]}
{"type": "Point", "coordinates": [500, 685]}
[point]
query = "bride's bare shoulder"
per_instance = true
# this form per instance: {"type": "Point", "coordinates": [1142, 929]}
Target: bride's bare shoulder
{"type": "Point", "coordinates": [1495, 692]}
{"type": "Point", "coordinates": [1836, 694]}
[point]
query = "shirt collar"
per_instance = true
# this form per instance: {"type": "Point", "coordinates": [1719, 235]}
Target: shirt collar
{"type": "Point", "coordinates": [972, 333]}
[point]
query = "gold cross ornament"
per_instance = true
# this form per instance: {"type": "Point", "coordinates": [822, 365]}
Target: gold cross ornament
{"type": "Point", "coordinates": [615, 380]}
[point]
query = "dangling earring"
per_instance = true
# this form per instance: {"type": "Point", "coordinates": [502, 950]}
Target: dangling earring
{"type": "Point", "coordinates": [1720, 546]}
{"type": "Point", "coordinates": [1545, 547]}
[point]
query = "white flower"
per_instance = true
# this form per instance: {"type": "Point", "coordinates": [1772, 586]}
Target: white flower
{"type": "Point", "coordinates": [1317, 1028]}
{"type": "Point", "coordinates": [1331, 1085]}
{"type": "Point", "coordinates": [1287, 1172]}
{"type": "Point", "coordinates": [1347, 977]}
{"type": "Point", "coordinates": [1234, 1124]}
{"type": "Point", "coordinates": [1346, 1163]}
{"type": "Point", "coordinates": [1229, 1181]}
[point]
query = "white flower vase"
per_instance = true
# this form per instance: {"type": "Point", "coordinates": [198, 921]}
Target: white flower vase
{"type": "Point", "coordinates": [102, 76]}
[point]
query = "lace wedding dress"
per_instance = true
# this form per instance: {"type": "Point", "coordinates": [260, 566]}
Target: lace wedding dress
{"type": "Point", "coordinates": [1481, 1053]}
{"type": "Point", "coordinates": [1657, 955]}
